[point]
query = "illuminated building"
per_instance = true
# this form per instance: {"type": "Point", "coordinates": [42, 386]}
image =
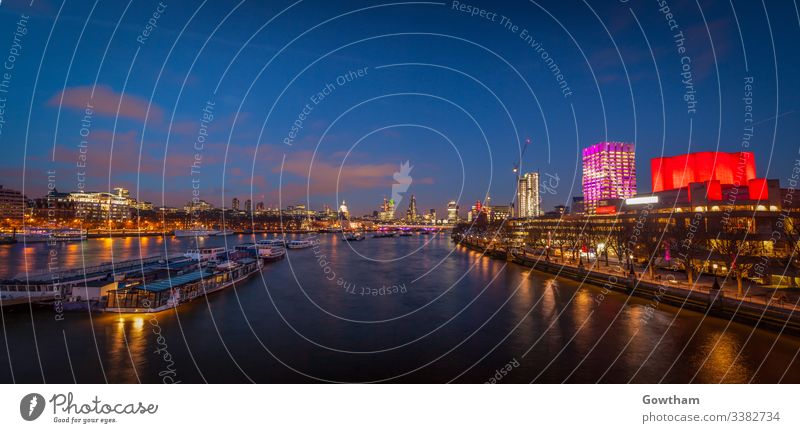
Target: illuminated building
{"type": "Point", "coordinates": [500, 213]}
{"type": "Point", "coordinates": [144, 206]}
{"type": "Point", "coordinates": [248, 206]}
{"type": "Point", "coordinates": [528, 195]}
{"type": "Point", "coordinates": [452, 212]}
{"type": "Point", "coordinates": [11, 204]}
{"type": "Point", "coordinates": [344, 213]}
{"type": "Point", "coordinates": [476, 210]}
{"type": "Point", "coordinates": [716, 168]}
{"type": "Point", "coordinates": [197, 206]}
{"type": "Point", "coordinates": [714, 199]}
{"type": "Point", "coordinates": [609, 172]}
{"type": "Point", "coordinates": [411, 213]}
{"type": "Point", "coordinates": [102, 206]}
{"type": "Point", "coordinates": [387, 210]}
{"type": "Point", "coordinates": [235, 204]}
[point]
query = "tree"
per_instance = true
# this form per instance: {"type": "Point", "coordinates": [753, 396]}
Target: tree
{"type": "Point", "coordinates": [689, 242]}
{"type": "Point", "coordinates": [733, 247]}
{"type": "Point", "coordinates": [646, 238]}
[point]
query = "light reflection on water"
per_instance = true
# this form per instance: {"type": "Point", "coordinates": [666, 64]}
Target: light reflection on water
{"type": "Point", "coordinates": [463, 328]}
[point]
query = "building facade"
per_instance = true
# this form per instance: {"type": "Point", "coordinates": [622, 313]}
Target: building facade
{"type": "Point", "coordinates": [609, 172]}
{"type": "Point", "coordinates": [11, 204]}
{"type": "Point", "coordinates": [528, 195]}
{"type": "Point", "coordinates": [102, 206]}
{"type": "Point", "coordinates": [452, 212]}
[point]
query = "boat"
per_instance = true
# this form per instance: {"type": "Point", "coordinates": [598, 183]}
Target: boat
{"type": "Point", "coordinates": [205, 254]}
{"type": "Point", "coordinates": [225, 232]}
{"type": "Point", "coordinates": [299, 244]}
{"type": "Point", "coordinates": [405, 233]}
{"type": "Point", "coordinates": [195, 233]}
{"type": "Point", "coordinates": [353, 236]}
{"type": "Point", "coordinates": [50, 235]}
{"type": "Point", "coordinates": [169, 293]}
{"type": "Point", "coordinates": [384, 234]}
{"type": "Point", "coordinates": [263, 252]}
{"type": "Point", "coordinates": [7, 240]}
{"type": "Point", "coordinates": [274, 242]}
{"type": "Point", "coordinates": [271, 254]}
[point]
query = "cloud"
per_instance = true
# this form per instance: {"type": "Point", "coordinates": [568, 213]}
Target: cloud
{"type": "Point", "coordinates": [106, 102]}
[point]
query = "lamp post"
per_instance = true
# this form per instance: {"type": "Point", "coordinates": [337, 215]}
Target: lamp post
{"type": "Point", "coordinates": [630, 264]}
{"type": "Point", "coordinates": [715, 287]}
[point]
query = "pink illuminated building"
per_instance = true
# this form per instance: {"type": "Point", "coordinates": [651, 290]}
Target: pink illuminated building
{"type": "Point", "coordinates": [609, 172]}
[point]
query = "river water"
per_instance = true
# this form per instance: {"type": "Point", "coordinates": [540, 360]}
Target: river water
{"type": "Point", "coordinates": [409, 309]}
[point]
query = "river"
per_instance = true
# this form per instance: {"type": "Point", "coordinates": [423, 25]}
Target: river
{"type": "Point", "coordinates": [408, 309]}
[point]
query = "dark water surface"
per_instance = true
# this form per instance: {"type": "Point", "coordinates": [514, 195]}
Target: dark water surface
{"type": "Point", "coordinates": [445, 315]}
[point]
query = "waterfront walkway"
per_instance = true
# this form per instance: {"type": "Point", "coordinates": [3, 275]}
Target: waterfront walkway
{"type": "Point", "coordinates": [783, 298]}
{"type": "Point", "coordinates": [769, 307]}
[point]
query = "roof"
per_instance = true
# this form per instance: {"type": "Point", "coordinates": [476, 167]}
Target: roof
{"type": "Point", "coordinates": [161, 285]}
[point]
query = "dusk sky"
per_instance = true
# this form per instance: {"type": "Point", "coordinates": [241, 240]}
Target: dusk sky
{"type": "Point", "coordinates": [453, 94]}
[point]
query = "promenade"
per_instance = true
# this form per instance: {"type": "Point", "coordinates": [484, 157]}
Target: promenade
{"type": "Point", "coordinates": [767, 307]}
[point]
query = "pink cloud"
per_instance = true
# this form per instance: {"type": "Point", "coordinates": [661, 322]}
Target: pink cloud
{"type": "Point", "coordinates": [105, 102]}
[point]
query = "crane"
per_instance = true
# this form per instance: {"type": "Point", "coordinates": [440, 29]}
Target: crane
{"type": "Point", "coordinates": [521, 155]}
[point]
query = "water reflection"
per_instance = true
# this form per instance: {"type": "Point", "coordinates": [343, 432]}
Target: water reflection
{"type": "Point", "coordinates": [494, 313]}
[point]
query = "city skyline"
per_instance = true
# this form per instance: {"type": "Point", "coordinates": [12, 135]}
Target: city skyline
{"type": "Point", "coordinates": [165, 103]}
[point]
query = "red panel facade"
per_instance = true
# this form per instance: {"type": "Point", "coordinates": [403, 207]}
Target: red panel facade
{"type": "Point", "coordinates": [679, 171]}
{"type": "Point", "coordinates": [758, 189]}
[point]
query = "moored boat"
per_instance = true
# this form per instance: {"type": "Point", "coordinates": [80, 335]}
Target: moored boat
{"type": "Point", "coordinates": [299, 244]}
{"type": "Point", "coordinates": [271, 254]}
{"type": "Point", "coordinates": [205, 254]}
{"type": "Point", "coordinates": [274, 242]}
{"type": "Point", "coordinates": [353, 236]}
{"type": "Point", "coordinates": [195, 233]}
{"type": "Point", "coordinates": [169, 293]}
{"type": "Point", "coordinates": [33, 234]}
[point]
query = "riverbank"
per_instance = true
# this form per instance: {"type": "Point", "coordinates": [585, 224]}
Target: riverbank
{"type": "Point", "coordinates": [776, 316]}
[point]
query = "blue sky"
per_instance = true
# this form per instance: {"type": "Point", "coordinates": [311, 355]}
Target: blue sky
{"type": "Point", "coordinates": [456, 95]}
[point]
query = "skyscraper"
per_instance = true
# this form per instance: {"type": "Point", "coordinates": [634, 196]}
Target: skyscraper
{"type": "Point", "coordinates": [248, 205]}
{"type": "Point", "coordinates": [452, 212]}
{"type": "Point", "coordinates": [235, 204]}
{"type": "Point", "coordinates": [411, 214]}
{"type": "Point", "coordinates": [609, 171]}
{"type": "Point", "coordinates": [528, 195]}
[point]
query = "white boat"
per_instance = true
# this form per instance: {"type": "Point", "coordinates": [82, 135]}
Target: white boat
{"type": "Point", "coordinates": [195, 233]}
{"type": "Point", "coordinates": [298, 244]}
{"type": "Point", "coordinates": [225, 232]}
{"type": "Point", "coordinates": [353, 236]}
{"type": "Point", "coordinates": [205, 254]}
{"type": "Point", "coordinates": [226, 265]}
{"type": "Point", "coordinates": [406, 233]}
{"type": "Point", "coordinates": [271, 254]}
{"type": "Point", "coordinates": [274, 242]}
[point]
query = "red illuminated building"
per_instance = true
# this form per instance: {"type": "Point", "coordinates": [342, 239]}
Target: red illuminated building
{"type": "Point", "coordinates": [673, 172]}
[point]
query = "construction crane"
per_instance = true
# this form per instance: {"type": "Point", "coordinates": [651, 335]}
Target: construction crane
{"type": "Point", "coordinates": [521, 155]}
